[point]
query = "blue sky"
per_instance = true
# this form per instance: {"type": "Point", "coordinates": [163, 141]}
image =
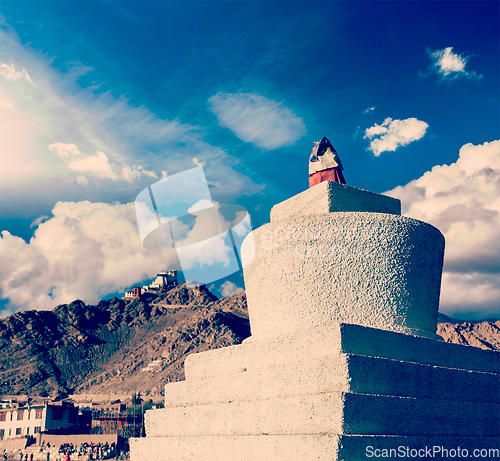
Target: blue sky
{"type": "Point", "coordinates": [100, 99]}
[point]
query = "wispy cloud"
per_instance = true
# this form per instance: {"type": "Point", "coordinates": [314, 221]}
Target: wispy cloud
{"type": "Point", "coordinates": [392, 134]}
{"type": "Point", "coordinates": [461, 199]}
{"type": "Point", "coordinates": [369, 109]}
{"type": "Point", "coordinates": [123, 143]}
{"type": "Point", "coordinates": [449, 65]}
{"type": "Point", "coordinates": [77, 68]}
{"type": "Point", "coordinates": [257, 120]}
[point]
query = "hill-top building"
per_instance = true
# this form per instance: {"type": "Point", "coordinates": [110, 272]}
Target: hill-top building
{"type": "Point", "coordinates": [163, 280]}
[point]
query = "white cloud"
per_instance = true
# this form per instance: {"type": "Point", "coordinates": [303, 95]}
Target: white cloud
{"type": "Point", "coordinates": [204, 242]}
{"type": "Point", "coordinates": [394, 133]}
{"type": "Point", "coordinates": [201, 205]}
{"type": "Point", "coordinates": [65, 150]}
{"type": "Point", "coordinates": [242, 224]}
{"type": "Point", "coordinates": [86, 250]}
{"type": "Point", "coordinates": [137, 144]}
{"type": "Point", "coordinates": [98, 141]}
{"type": "Point", "coordinates": [82, 180]}
{"type": "Point", "coordinates": [449, 65]}
{"type": "Point", "coordinates": [78, 69]}
{"type": "Point", "coordinates": [463, 201]}
{"type": "Point", "coordinates": [257, 120]}
{"type": "Point", "coordinates": [10, 73]}
{"type": "Point", "coordinates": [228, 289]}
{"type": "Point", "coordinates": [129, 174]}
{"type": "Point", "coordinates": [18, 130]}
{"type": "Point", "coordinates": [97, 165]}
{"type": "Point", "coordinates": [198, 162]}
{"type": "Point", "coordinates": [93, 164]}
{"type": "Point", "coordinates": [6, 104]}
{"type": "Point", "coordinates": [369, 109]}
{"type": "Point", "coordinates": [204, 251]}
{"type": "Point", "coordinates": [38, 221]}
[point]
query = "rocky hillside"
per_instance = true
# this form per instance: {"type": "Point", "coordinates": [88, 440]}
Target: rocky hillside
{"type": "Point", "coordinates": [122, 347]}
{"type": "Point", "coordinates": [117, 346]}
{"type": "Point", "coordinates": [485, 335]}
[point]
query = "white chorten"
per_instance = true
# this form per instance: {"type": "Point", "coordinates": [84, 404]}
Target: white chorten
{"type": "Point", "coordinates": [343, 362]}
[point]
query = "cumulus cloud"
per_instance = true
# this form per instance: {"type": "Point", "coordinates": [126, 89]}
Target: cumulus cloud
{"type": "Point", "coordinates": [392, 134]}
{"type": "Point", "coordinates": [97, 165]}
{"type": "Point", "coordinates": [463, 201]}
{"type": "Point", "coordinates": [84, 251]}
{"type": "Point", "coordinates": [449, 65]}
{"type": "Point", "coordinates": [257, 120]}
{"type": "Point", "coordinates": [209, 256]}
{"type": "Point", "coordinates": [87, 250]}
{"type": "Point", "coordinates": [228, 289]}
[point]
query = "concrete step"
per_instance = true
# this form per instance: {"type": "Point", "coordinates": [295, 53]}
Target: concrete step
{"type": "Point", "coordinates": [337, 339]}
{"type": "Point", "coordinates": [321, 447]}
{"type": "Point", "coordinates": [332, 413]}
{"type": "Point", "coordinates": [336, 373]}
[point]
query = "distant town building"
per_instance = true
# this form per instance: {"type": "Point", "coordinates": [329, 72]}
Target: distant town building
{"type": "Point", "coordinates": [113, 418]}
{"type": "Point", "coordinates": [28, 420]}
{"type": "Point", "coordinates": [109, 410]}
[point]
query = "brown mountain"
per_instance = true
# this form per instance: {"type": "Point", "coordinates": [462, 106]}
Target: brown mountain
{"type": "Point", "coordinates": [122, 347]}
{"type": "Point", "coordinates": [485, 335]}
{"type": "Point", "coordinates": [117, 346]}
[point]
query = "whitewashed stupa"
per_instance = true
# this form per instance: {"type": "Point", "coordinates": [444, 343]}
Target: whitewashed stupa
{"type": "Point", "coordinates": [343, 294]}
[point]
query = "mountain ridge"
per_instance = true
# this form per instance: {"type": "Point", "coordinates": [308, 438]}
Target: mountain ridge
{"type": "Point", "coordinates": [124, 346]}
{"type": "Point", "coordinates": [78, 347]}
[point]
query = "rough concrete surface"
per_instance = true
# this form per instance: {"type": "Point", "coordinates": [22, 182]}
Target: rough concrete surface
{"type": "Point", "coordinates": [371, 269]}
{"type": "Point", "coordinates": [330, 340]}
{"type": "Point", "coordinates": [321, 447]}
{"type": "Point", "coordinates": [343, 355]}
{"type": "Point", "coordinates": [332, 413]}
{"type": "Point", "coordinates": [330, 196]}
{"type": "Point", "coordinates": [335, 373]}
{"type": "Point", "coordinates": [334, 393]}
